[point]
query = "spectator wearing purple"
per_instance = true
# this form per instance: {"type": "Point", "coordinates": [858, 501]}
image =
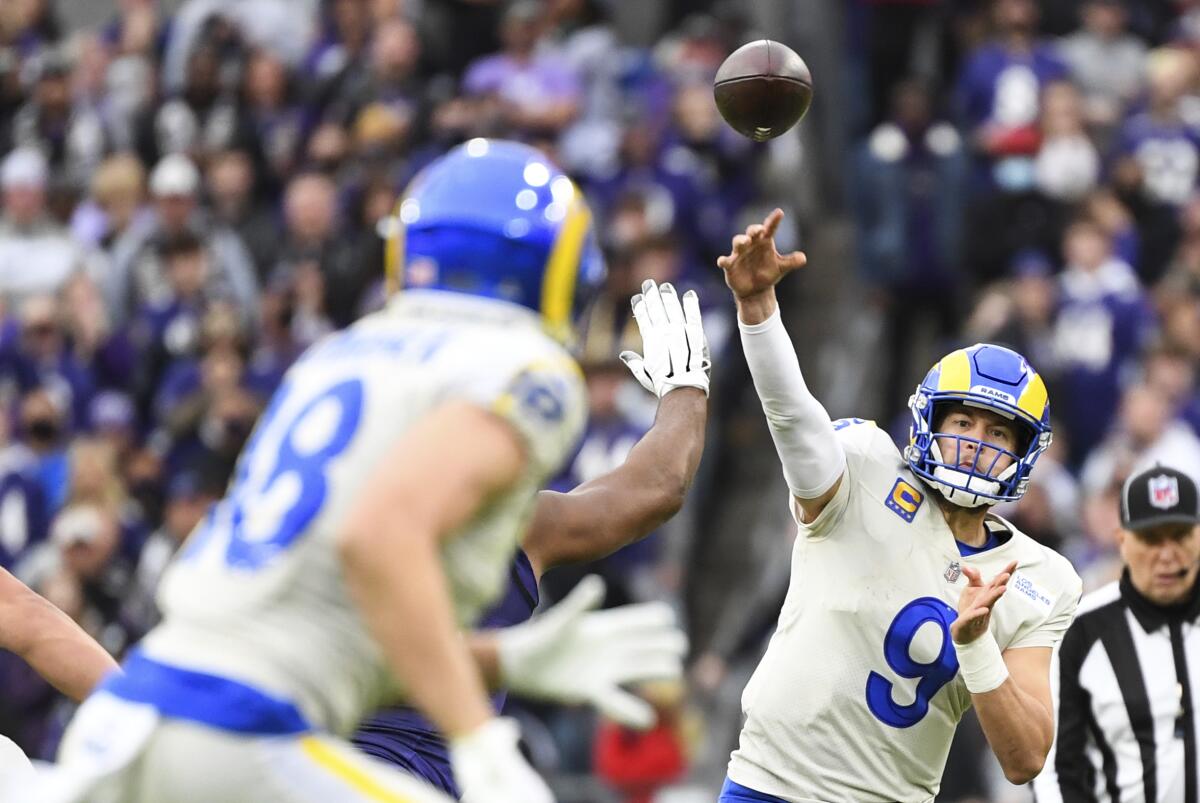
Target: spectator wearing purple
{"type": "Point", "coordinates": [999, 97]}
{"type": "Point", "coordinates": [1000, 86]}
{"type": "Point", "coordinates": [1101, 326]}
{"type": "Point", "coordinates": [1156, 159]}
{"type": "Point", "coordinates": [137, 27]}
{"type": "Point", "coordinates": [281, 338]}
{"type": "Point", "coordinates": [24, 516]}
{"type": "Point", "coordinates": [715, 165]}
{"type": "Point", "coordinates": [617, 419]}
{"type": "Point", "coordinates": [42, 356]}
{"type": "Point", "coordinates": [37, 26]}
{"type": "Point", "coordinates": [205, 429]}
{"type": "Point", "coordinates": [341, 42]}
{"type": "Point", "coordinates": [117, 201]}
{"type": "Point", "coordinates": [166, 330]}
{"type": "Point", "coordinates": [100, 348]}
{"type": "Point", "coordinates": [273, 111]}
{"type": "Point", "coordinates": [112, 420]}
{"type": "Point", "coordinates": [138, 276]}
{"type": "Point", "coordinates": [37, 255]}
{"type": "Point", "coordinates": [42, 429]}
{"type": "Point", "coordinates": [525, 90]}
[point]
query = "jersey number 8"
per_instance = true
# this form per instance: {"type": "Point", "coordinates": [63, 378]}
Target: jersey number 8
{"type": "Point", "coordinates": [897, 646]}
{"type": "Point", "coordinates": [280, 484]}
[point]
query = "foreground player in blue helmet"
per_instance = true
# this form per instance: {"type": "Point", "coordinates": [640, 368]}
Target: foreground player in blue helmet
{"type": "Point", "coordinates": [910, 601]}
{"type": "Point", "coordinates": [373, 515]}
{"type": "Point", "coordinates": [592, 520]}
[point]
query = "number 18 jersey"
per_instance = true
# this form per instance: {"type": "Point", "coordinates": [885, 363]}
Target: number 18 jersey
{"type": "Point", "coordinates": [858, 694]}
{"type": "Point", "coordinates": [258, 595]}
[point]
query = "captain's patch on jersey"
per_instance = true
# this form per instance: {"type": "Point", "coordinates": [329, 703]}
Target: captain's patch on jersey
{"type": "Point", "coordinates": [904, 500]}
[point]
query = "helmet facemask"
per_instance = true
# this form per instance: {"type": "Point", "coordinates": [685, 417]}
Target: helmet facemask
{"type": "Point", "coordinates": [931, 454]}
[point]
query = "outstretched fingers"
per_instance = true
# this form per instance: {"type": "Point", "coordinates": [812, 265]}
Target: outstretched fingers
{"type": "Point", "coordinates": [772, 221]}
{"type": "Point", "coordinates": [793, 261]}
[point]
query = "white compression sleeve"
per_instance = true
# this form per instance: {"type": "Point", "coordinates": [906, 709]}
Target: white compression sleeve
{"type": "Point", "coordinates": [811, 454]}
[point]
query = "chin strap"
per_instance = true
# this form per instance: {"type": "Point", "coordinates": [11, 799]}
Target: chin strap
{"type": "Point", "coordinates": [963, 488]}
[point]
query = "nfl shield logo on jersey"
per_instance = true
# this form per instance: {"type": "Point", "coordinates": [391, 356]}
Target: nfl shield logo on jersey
{"type": "Point", "coordinates": [953, 572]}
{"type": "Point", "coordinates": [1164, 492]}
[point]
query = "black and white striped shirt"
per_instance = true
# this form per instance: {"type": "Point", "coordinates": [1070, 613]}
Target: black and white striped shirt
{"type": "Point", "coordinates": [1124, 682]}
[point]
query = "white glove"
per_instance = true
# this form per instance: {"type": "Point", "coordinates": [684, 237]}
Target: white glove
{"type": "Point", "coordinates": [572, 654]}
{"type": "Point", "coordinates": [676, 351]}
{"type": "Point", "coordinates": [489, 767]}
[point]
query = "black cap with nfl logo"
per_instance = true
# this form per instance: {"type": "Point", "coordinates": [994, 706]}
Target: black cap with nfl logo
{"type": "Point", "coordinates": [1159, 495]}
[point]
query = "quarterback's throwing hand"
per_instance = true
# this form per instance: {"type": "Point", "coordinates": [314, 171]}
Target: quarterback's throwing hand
{"type": "Point", "coordinates": [676, 351]}
{"type": "Point", "coordinates": [975, 604]}
{"type": "Point", "coordinates": [753, 265]}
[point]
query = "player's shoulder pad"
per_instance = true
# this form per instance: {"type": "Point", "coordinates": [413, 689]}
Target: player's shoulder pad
{"type": "Point", "coordinates": [542, 390]}
{"type": "Point", "coordinates": [542, 394]}
{"type": "Point", "coordinates": [1050, 567]}
{"type": "Point", "coordinates": [862, 439]}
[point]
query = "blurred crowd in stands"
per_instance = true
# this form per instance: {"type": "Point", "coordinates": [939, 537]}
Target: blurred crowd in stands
{"type": "Point", "coordinates": [191, 193]}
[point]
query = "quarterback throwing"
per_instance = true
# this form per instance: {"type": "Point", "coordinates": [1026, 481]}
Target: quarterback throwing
{"type": "Point", "coordinates": [909, 601]}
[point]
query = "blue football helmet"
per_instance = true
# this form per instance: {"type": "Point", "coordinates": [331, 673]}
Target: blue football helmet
{"type": "Point", "coordinates": [495, 218]}
{"type": "Point", "coordinates": [992, 378]}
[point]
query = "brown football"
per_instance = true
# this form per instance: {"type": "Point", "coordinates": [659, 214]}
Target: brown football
{"type": "Point", "coordinates": [762, 89]}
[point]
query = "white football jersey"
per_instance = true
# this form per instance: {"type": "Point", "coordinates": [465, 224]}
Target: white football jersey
{"type": "Point", "coordinates": [257, 594]}
{"type": "Point", "coordinates": [858, 695]}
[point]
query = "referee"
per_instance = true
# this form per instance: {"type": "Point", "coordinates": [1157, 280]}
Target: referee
{"type": "Point", "coordinates": [1129, 667]}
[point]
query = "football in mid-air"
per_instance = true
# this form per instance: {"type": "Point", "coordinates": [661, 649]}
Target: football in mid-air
{"type": "Point", "coordinates": [762, 89]}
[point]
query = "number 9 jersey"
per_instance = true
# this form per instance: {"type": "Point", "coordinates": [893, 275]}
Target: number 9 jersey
{"type": "Point", "coordinates": [257, 593]}
{"type": "Point", "coordinates": [859, 693]}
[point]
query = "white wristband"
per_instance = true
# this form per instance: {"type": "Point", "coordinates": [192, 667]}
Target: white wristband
{"type": "Point", "coordinates": [981, 664]}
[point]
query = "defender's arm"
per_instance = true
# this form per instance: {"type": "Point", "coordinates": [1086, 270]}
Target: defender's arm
{"type": "Point", "coordinates": [626, 504]}
{"type": "Point", "coordinates": [610, 511]}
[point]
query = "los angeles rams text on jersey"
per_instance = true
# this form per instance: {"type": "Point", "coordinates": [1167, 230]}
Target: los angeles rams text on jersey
{"type": "Point", "coordinates": [858, 695]}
